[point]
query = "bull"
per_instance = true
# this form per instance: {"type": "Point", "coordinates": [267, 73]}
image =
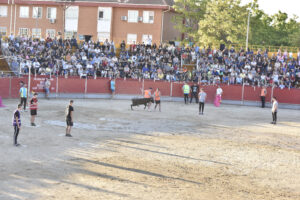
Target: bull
{"type": "Point", "coordinates": [142, 101]}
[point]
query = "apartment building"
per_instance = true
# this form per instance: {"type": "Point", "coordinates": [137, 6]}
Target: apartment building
{"type": "Point", "coordinates": [134, 21]}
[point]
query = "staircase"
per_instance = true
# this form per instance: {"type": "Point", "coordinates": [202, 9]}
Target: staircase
{"type": "Point", "coordinates": [4, 67]}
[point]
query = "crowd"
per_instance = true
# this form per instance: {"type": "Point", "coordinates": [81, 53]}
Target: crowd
{"type": "Point", "coordinates": [164, 62]}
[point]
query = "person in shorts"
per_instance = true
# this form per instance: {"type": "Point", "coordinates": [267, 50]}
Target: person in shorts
{"type": "Point", "coordinates": [157, 99]}
{"type": "Point", "coordinates": [33, 108]}
{"type": "Point", "coordinates": [69, 118]}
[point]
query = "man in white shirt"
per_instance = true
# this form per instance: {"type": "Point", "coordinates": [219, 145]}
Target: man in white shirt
{"type": "Point", "coordinates": [274, 110]}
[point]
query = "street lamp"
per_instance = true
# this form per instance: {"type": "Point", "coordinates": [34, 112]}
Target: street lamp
{"type": "Point", "coordinates": [247, 38]}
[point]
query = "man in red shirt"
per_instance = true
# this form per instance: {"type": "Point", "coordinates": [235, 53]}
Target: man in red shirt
{"type": "Point", "coordinates": [33, 108]}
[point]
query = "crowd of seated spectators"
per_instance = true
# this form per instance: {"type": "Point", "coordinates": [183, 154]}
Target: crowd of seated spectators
{"type": "Point", "coordinates": [150, 61]}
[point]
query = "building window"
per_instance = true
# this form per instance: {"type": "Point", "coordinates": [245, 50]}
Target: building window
{"type": "Point", "coordinates": [131, 38]}
{"type": "Point", "coordinates": [133, 16]}
{"type": "Point", "coordinates": [3, 11]}
{"type": "Point", "coordinates": [101, 15]}
{"type": "Point", "coordinates": [51, 13]}
{"type": "Point", "coordinates": [148, 17]}
{"type": "Point", "coordinates": [36, 33]}
{"type": "Point", "coordinates": [70, 34]}
{"type": "Point", "coordinates": [72, 13]}
{"type": "Point", "coordinates": [3, 31]}
{"type": "Point", "coordinates": [147, 39]}
{"type": "Point", "coordinates": [103, 36]}
{"type": "Point", "coordinates": [37, 12]}
{"type": "Point", "coordinates": [24, 11]}
{"type": "Point", "coordinates": [23, 32]}
{"type": "Point", "coordinates": [50, 33]}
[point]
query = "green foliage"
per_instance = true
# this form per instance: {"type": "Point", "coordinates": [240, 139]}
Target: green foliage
{"type": "Point", "coordinates": [189, 12]}
{"type": "Point", "coordinates": [224, 22]}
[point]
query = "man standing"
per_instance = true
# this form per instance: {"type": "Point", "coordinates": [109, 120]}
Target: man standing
{"type": "Point", "coordinates": [47, 87]}
{"type": "Point", "coordinates": [23, 96]}
{"type": "Point", "coordinates": [148, 95]}
{"type": "Point", "coordinates": [69, 118]}
{"type": "Point", "coordinates": [195, 91]}
{"type": "Point", "coordinates": [218, 98]}
{"type": "Point", "coordinates": [186, 92]}
{"type": "Point", "coordinates": [263, 94]}
{"type": "Point", "coordinates": [157, 99]}
{"type": "Point", "coordinates": [274, 110]}
{"type": "Point", "coordinates": [113, 87]}
{"type": "Point", "coordinates": [202, 98]}
{"type": "Point", "coordinates": [33, 108]}
{"type": "Point", "coordinates": [17, 124]}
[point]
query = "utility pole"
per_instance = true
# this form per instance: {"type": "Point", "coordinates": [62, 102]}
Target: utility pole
{"type": "Point", "coordinates": [248, 26]}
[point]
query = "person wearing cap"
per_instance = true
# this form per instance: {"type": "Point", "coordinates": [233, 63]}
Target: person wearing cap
{"type": "Point", "coordinates": [33, 108]}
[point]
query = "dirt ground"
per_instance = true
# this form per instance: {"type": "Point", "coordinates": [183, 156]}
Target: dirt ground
{"type": "Point", "coordinates": [231, 152]}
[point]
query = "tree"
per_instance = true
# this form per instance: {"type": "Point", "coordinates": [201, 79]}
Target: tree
{"type": "Point", "coordinates": [189, 13]}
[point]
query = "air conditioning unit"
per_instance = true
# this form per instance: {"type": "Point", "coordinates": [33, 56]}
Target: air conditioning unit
{"type": "Point", "coordinates": [140, 19]}
{"type": "Point", "coordinates": [52, 21]}
{"type": "Point", "coordinates": [124, 18]}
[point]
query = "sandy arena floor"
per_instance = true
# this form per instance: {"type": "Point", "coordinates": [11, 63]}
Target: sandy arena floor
{"type": "Point", "coordinates": [231, 152]}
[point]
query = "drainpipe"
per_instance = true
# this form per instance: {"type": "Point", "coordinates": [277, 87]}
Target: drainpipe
{"type": "Point", "coordinates": [11, 15]}
{"type": "Point", "coordinates": [15, 19]}
{"type": "Point", "coordinates": [162, 24]}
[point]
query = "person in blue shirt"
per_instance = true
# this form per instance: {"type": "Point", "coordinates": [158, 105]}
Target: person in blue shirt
{"type": "Point", "coordinates": [23, 96]}
{"type": "Point", "coordinates": [113, 87]}
{"type": "Point", "coordinates": [17, 124]}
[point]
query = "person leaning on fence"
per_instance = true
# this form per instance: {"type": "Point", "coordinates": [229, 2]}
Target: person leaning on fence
{"type": "Point", "coordinates": [263, 94]}
{"type": "Point", "coordinates": [113, 87]}
{"type": "Point", "coordinates": [186, 92]}
{"type": "Point", "coordinates": [47, 87]}
{"type": "Point", "coordinates": [23, 96]}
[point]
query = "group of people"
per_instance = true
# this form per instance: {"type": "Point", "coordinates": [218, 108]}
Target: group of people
{"type": "Point", "coordinates": [33, 106]}
{"type": "Point", "coordinates": [163, 62]}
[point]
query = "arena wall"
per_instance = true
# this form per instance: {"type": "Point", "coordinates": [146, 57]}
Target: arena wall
{"type": "Point", "coordinates": [100, 88]}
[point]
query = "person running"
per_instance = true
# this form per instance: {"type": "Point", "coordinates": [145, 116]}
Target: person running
{"type": "Point", "coordinates": [113, 87]}
{"type": "Point", "coordinates": [218, 98]}
{"type": "Point", "coordinates": [186, 92]}
{"type": "Point", "coordinates": [157, 99]}
{"type": "Point", "coordinates": [148, 95]}
{"type": "Point", "coordinates": [33, 108]}
{"type": "Point", "coordinates": [202, 98]}
{"type": "Point", "coordinates": [69, 118]}
{"type": "Point", "coordinates": [274, 110]}
{"type": "Point", "coordinates": [47, 87]}
{"type": "Point", "coordinates": [23, 96]}
{"type": "Point", "coordinates": [17, 124]}
{"type": "Point", "coordinates": [263, 94]}
{"type": "Point", "coordinates": [194, 92]}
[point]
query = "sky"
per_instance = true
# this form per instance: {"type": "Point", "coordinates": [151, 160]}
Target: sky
{"type": "Point", "coordinates": [291, 7]}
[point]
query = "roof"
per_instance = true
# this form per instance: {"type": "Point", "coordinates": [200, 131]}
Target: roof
{"type": "Point", "coordinates": [162, 4]}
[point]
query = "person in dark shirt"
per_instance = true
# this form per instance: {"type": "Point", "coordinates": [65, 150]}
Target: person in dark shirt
{"type": "Point", "coordinates": [194, 92]}
{"type": "Point", "coordinates": [33, 108]}
{"type": "Point", "coordinates": [17, 124]}
{"type": "Point", "coordinates": [69, 118]}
